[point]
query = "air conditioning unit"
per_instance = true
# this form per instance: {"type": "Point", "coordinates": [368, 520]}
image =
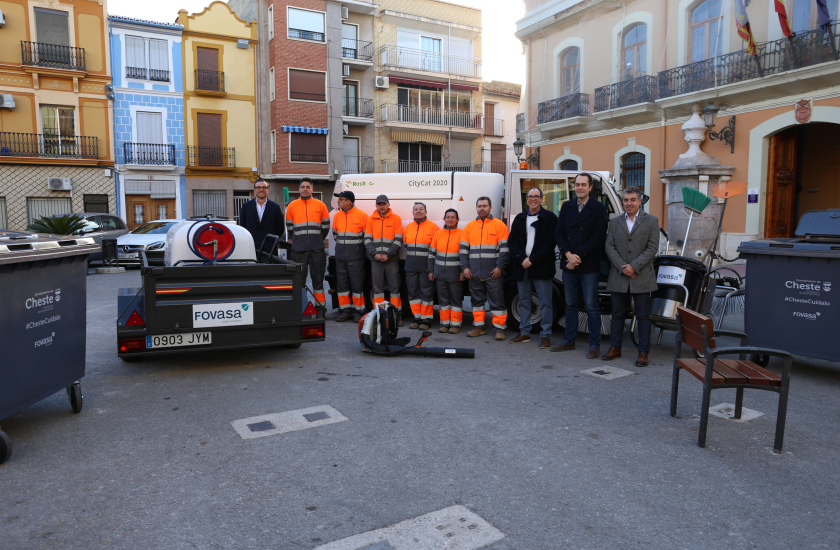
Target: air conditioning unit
{"type": "Point", "coordinates": [345, 13]}
{"type": "Point", "coordinates": [382, 82]}
{"type": "Point", "coordinates": [7, 101]}
{"type": "Point", "coordinates": [346, 70]}
{"type": "Point", "coordinates": [59, 184]}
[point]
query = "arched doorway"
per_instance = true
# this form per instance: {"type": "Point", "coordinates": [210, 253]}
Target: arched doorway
{"type": "Point", "coordinates": [803, 174]}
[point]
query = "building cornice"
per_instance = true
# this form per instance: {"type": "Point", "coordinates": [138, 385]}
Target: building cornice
{"type": "Point", "coordinates": [555, 13]}
{"type": "Point", "coordinates": [149, 92]}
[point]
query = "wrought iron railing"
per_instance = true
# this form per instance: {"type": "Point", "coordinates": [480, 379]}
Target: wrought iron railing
{"type": "Point", "coordinates": [357, 107]}
{"type": "Point", "coordinates": [305, 157]}
{"type": "Point", "coordinates": [135, 72]}
{"type": "Point", "coordinates": [159, 75]}
{"type": "Point", "coordinates": [306, 35]}
{"type": "Point", "coordinates": [221, 157]}
{"type": "Point", "coordinates": [401, 166]}
{"type": "Point", "coordinates": [356, 49]}
{"type": "Point", "coordinates": [306, 96]}
{"type": "Point", "coordinates": [520, 122]}
{"type": "Point", "coordinates": [777, 56]}
{"type": "Point", "coordinates": [568, 106]}
{"type": "Point", "coordinates": [494, 127]}
{"type": "Point", "coordinates": [209, 81]}
{"type": "Point", "coordinates": [149, 153]}
{"type": "Point", "coordinates": [358, 165]}
{"type": "Point", "coordinates": [432, 117]}
{"type": "Point", "coordinates": [430, 61]}
{"type": "Point", "coordinates": [48, 145]}
{"type": "Point", "coordinates": [626, 93]}
{"type": "Point", "coordinates": [51, 55]}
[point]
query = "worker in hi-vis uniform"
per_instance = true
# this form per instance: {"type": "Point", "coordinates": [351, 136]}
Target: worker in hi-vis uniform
{"type": "Point", "coordinates": [421, 291]}
{"type": "Point", "coordinates": [484, 255]}
{"type": "Point", "coordinates": [383, 241]}
{"type": "Point", "coordinates": [445, 270]}
{"type": "Point", "coordinates": [307, 226]}
{"type": "Point", "coordinates": [348, 226]}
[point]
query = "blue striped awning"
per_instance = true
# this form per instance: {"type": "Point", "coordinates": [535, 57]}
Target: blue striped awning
{"type": "Point", "coordinates": [306, 130]}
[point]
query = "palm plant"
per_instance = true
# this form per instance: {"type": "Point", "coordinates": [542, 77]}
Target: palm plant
{"type": "Point", "coordinates": [58, 225]}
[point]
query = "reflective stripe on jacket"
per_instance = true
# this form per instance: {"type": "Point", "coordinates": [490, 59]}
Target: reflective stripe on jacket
{"type": "Point", "coordinates": [484, 246]}
{"type": "Point", "coordinates": [383, 235]}
{"type": "Point", "coordinates": [417, 238]}
{"type": "Point", "coordinates": [443, 258]}
{"type": "Point", "coordinates": [307, 224]}
{"type": "Point", "coordinates": [349, 231]}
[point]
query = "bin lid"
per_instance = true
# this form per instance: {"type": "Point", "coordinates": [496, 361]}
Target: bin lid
{"type": "Point", "coordinates": [26, 246]}
{"type": "Point", "coordinates": [822, 225]}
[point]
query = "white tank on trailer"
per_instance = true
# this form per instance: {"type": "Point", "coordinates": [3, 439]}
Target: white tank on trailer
{"type": "Point", "coordinates": [180, 237]}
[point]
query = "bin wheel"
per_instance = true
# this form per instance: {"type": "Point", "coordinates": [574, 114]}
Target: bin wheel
{"type": "Point", "coordinates": [760, 360]}
{"type": "Point", "coordinates": [5, 447]}
{"type": "Point", "coordinates": [76, 398]}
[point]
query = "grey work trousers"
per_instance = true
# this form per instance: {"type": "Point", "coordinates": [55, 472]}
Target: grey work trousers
{"type": "Point", "coordinates": [350, 283]}
{"type": "Point", "coordinates": [450, 300]}
{"type": "Point", "coordinates": [492, 290]}
{"type": "Point", "coordinates": [386, 272]}
{"type": "Point", "coordinates": [315, 263]}
{"type": "Point", "coordinates": [421, 296]}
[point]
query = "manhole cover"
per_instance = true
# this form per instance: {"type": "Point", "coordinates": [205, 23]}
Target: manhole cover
{"type": "Point", "coordinates": [261, 426]}
{"type": "Point", "coordinates": [312, 417]}
{"type": "Point", "coordinates": [601, 372]}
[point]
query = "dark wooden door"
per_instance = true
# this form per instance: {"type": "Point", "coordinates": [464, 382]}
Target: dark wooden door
{"type": "Point", "coordinates": [780, 208]}
{"type": "Point", "coordinates": [138, 210]}
{"type": "Point", "coordinates": [163, 209]}
{"type": "Point", "coordinates": [209, 139]}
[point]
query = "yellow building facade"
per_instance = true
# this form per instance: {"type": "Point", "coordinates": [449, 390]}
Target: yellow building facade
{"type": "Point", "coordinates": [56, 152]}
{"type": "Point", "coordinates": [220, 110]}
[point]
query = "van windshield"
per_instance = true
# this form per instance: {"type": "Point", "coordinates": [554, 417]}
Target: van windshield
{"type": "Point", "coordinates": [558, 190]}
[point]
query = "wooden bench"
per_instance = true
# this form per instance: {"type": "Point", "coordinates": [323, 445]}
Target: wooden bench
{"type": "Point", "coordinates": [697, 332]}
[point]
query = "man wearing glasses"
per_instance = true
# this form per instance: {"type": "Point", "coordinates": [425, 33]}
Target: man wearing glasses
{"type": "Point", "coordinates": [262, 216]}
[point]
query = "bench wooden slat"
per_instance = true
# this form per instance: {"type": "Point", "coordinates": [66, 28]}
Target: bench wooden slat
{"type": "Point", "coordinates": [692, 325]}
{"type": "Point", "coordinates": [756, 374]}
{"type": "Point", "coordinates": [698, 370]}
{"type": "Point", "coordinates": [731, 375]}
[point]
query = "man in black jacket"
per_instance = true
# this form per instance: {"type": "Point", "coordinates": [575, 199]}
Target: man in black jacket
{"type": "Point", "coordinates": [261, 216]}
{"type": "Point", "coordinates": [531, 245]}
{"type": "Point", "coordinates": [581, 233]}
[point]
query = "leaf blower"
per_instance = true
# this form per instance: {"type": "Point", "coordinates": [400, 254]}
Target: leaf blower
{"type": "Point", "coordinates": [378, 333]}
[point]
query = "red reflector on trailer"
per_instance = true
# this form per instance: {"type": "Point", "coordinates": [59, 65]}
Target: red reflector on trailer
{"type": "Point", "coordinates": [135, 319]}
{"type": "Point", "coordinates": [313, 331]}
{"type": "Point", "coordinates": [132, 344]}
{"type": "Point", "coordinates": [310, 309]}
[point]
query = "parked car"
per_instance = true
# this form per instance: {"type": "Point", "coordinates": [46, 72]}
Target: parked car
{"type": "Point", "coordinates": [149, 237]}
{"type": "Point", "coordinates": [98, 226]}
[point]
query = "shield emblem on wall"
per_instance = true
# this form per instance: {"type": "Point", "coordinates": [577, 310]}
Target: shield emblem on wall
{"type": "Point", "coordinates": [802, 111]}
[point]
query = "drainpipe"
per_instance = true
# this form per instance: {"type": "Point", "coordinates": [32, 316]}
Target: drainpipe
{"type": "Point", "coordinates": [449, 91]}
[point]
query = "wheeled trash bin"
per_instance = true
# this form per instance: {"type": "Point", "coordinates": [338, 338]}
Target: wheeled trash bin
{"type": "Point", "coordinates": [792, 301]}
{"type": "Point", "coordinates": [42, 326]}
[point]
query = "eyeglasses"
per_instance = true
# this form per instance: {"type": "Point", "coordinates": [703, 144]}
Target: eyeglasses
{"type": "Point", "coordinates": [261, 187]}
{"type": "Point", "coordinates": [534, 197]}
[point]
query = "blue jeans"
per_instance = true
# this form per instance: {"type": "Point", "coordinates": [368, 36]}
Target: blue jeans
{"type": "Point", "coordinates": [544, 289]}
{"type": "Point", "coordinates": [587, 284]}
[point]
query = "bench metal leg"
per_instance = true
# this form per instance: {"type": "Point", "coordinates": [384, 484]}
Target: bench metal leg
{"type": "Point", "coordinates": [675, 386]}
{"type": "Point", "coordinates": [782, 415]}
{"type": "Point", "coordinates": [704, 414]}
{"type": "Point", "coordinates": [739, 402]}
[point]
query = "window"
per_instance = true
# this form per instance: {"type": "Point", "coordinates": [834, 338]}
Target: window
{"type": "Point", "coordinates": [306, 25]}
{"type": "Point", "coordinates": [706, 20]}
{"type": "Point", "coordinates": [271, 84]}
{"type": "Point", "coordinates": [207, 75]}
{"type": "Point", "coordinates": [349, 44]}
{"type": "Point", "coordinates": [430, 53]}
{"type": "Point", "coordinates": [209, 202]}
{"type": "Point", "coordinates": [419, 157]}
{"type": "Point", "coordinates": [139, 216]}
{"type": "Point", "coordinates": [570, 72]}
{"type": "Point", "coordinates": [274, 146]}
{"type": "Point", "coordinates": [307, 85]}
{"type": "Point", "coordinates": [58, 125]}
{"type": "Point", "coordinates": [158, 60]}
{"type": "Point", "coordinates": [4, 223]}
{"type": "Point", "coordinates": [569, 164]}
{"type": "Point", "coordinates": [52, 27]}
{"type": "Point", "coordinates": [240, 198]}
{"type": "Point", "coordinates": [805, 16]}
{"type": "Point", "coordinates": [135, 57]}
{"type": "Point", "coordinates": [111, 223]}
{"type": "Point", "coordinates": [632, 171]}
{"type": "Point", "coordinates": [209, 139]}
{"type": "Point", "coordinates": [634, 52]}
{"type": "Point", "coordinates": [37, 208]}
{"type": "Point", "coordinates": [96, 203]}
{"type": "Point", "coordinates": [270, 22]}
{"type": "Point", "coordinates": [308, 147]}
{"type": "Point", "coordinates": [149, 127]}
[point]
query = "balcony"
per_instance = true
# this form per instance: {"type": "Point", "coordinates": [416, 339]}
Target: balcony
{"type": "Point", "coordinates": [199, 156]}
{"type": "Point", "coordinates": [403, 166]}
{"type": "Point", "coordinates": [357, 111]}
{"type": "Point", "coordinates": [151, 154]}
{"type": "Point", "coordinates": [13, 144]}
{"type": "Point", "coordinates": [306, 35]}
{"type": "Point", "coordinates": [306, 157]}
{"type": "Point", "coordinates": [209, 82]}
{"type": "Point", "coordinates": [460, 123]}
{"type": "Point", "coordinates": [520, 123]}
{"type": "Point", "coordinates": [52, 56]}
{"type": "Point", "coordinates": [158, 75]}
{"type": "Point", "coordinates": [494, 127]}
{"type": "Point", "coordinates": [627, 101]}
{"type": "Point", "coordinates": [358, 165]}
{"type": "Point", "coordinates": [141, 73]}
{"type": "Point", "coordinates": [421, 61]}
{"type": "Point", "coordinates": [357, 53]}
{"type": "Point", "coordinates": [135, 72]}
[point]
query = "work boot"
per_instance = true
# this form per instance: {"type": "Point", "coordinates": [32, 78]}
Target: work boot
{"type": "Point", "coordinates": [357, 317]}
{"type": "Point", "coordinates": [642, 361]}
{"type": "Point", "coordinates": [424, 326]}
{"type": "Point", "coordinates": [320, 315]}
{"type": "Point", "coordinates": [454, 330]}
{"type": "Point", "coordinates": [500, 335]}
{"type": "Point", "coordinates": [545, 342]}
{"type": "Point", "coordinates": [343, 317]}
{"type": "Point", "coordinates": [520, 338]}
{"type": "Point", "coordinates": [565, 346]}
{"type": "Point", "coordinates": [414, 325]}
{"type": "Point", "coordinates": [476, 332]}
{"type": "Point", "coordinates": [444, 328]}
{"type": "Point", "coordinates": [612, 353]}
{"type": "Point", "coordinates": [593, 353]}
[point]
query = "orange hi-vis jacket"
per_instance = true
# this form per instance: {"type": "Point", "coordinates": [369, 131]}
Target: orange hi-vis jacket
{"type": "Point", "coordinates": [443, 255]}
{"type": "Point", "coordinates": [383, 235]}
{"type": "Point", "coordinates": [417, 238]}
{"type": "Point", "coordinates": [484, 247]}
{"type": "Point", "coordinates": [307, 224]}
{"type": "Point", "coordinates": [349, 233]}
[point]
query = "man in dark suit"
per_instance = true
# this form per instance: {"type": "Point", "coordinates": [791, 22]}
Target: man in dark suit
{"type": "Point", "coordinates": [581, 232]}
{"type": "Point", "coordinates": [261, 216]}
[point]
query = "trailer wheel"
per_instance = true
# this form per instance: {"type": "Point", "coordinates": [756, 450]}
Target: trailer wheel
{"type": "Point", "coordinates": [5, 447]}
{"type": "Point", "coordinates": [130, 358]}
{"type": "Point", "coordinates": [296, 345]}
{"type": "Point", "coordinates": [76, 398]}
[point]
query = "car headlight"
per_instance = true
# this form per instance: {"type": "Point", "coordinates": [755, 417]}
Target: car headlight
{"type": "Point", "coordinates": [156, 246]}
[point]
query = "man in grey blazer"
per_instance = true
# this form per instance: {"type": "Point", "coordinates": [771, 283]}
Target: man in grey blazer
{"type": "Point", "coordinates": [632, 243]}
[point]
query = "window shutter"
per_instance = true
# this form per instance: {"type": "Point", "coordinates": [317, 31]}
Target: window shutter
{"type": "Point", "coordinates": [52, 27]}
{"type": "Point", "coordinates": [208, 59]}
{"type": "Point", "coordinates": [306, 20]}
{"type": "Point", "coordinates": [209, 130]}
{"type": "Point", "coordinates": [149, 128]}
{"type": "Point", "coordinates": [158, 55]}
{"type": "Point", "coordinates": [135, 52]}
{"type": "Point", "coordinates": [306, 82]}
{"type": "Point", "coordinates": [310, 144]}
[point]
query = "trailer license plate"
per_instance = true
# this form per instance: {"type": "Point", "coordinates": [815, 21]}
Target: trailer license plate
{"type": "Point", "coordinates": [124, 256]}
{"type": "Point", "coordinates": [178, 340]}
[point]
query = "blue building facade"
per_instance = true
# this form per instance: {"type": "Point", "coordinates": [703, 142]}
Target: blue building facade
{"type": "Point", "coordinates": [147, 76]}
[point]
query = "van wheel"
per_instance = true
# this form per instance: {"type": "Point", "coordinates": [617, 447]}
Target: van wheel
{"type": "Point", "coordinates": [558, 306]}
{"type": "Point", "coordinates": [5, 447]}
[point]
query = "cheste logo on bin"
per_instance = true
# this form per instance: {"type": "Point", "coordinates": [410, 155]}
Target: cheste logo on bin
{"type": "Point", "coordinates": [42, 299]}
{"type": "Point", "coordinates": [799, 284]}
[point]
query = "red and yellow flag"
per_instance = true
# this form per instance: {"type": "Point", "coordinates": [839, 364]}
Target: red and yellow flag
{"type": "Point", "coordinates": [742, 21]}
{"type": "Point", "coordinates": [783, 17]}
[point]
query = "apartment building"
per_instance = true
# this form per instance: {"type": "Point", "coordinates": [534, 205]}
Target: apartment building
{"type": "Point", "coordinates": [56, 154]}
{"type": "Point", "coordinates": [220, 110]}
{"type": "Point", "coordinates": [148, 81]}
{"type": "Point", "coordinates": [609, 89]}
{"type": "Point", "coordinates": [501, 105]}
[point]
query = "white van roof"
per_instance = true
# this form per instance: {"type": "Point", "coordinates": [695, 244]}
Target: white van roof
{"type": "Point", "coordinates": [414, 185]}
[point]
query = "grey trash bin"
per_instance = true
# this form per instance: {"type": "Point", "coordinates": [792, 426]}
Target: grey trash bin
{"type": "Point", "coordinates": [43, 292]}
{"type": "Point", "coordinates": [793, 294]}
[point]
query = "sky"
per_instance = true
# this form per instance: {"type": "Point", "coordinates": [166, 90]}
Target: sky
{"type": "Point", "coordinates": [502, 57]}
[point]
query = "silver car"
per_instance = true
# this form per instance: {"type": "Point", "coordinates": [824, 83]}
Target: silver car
{"type": "Point", "coordinates": [150, 238]}
{"type": "Point", "coordinates": [98, 226]}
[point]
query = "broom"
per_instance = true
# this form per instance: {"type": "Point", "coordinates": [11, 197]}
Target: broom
{"type": "Point", "coordinates": [694, 202]}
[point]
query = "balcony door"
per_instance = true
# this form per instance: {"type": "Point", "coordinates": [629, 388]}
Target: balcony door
{"type": "Point", "coordinates": [706, 19]}
{"type": "Point", "coordinates": [209, 139]}
{"type": "Point", "coordinates": [351, 156]}
{"type": "Point", "coordinates": [570, 72]}
{"type": "Point", "coordinates": [208, 69]}
{"type": "Point", "coordinates": [349, 36]}
{"type": "Point", "coordinates": [52, 30]}
{"type": "Point", "coordinates": [430, 50]}
{"type": "Point", "coordinates": [419, 157]}
{"type": "Point", "coordinates": [149, 148]}
{"type": "Point", "coordinates": [351, 99]}
{"type": "Point", "coordinates": [634, 52]}
{"type": "Point", "coordinates": [59, 129]}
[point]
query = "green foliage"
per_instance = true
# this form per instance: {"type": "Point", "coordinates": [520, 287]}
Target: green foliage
{"type": "Point", "coordinates": [694, 200]}
{"type": "Point", "coordinates": [59, 225]}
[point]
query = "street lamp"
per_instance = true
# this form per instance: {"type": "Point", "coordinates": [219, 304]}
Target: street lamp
{"type": "Point", "coordinates": [726, 134]}
{"type": "Point", "coordinates": [534, 158]}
